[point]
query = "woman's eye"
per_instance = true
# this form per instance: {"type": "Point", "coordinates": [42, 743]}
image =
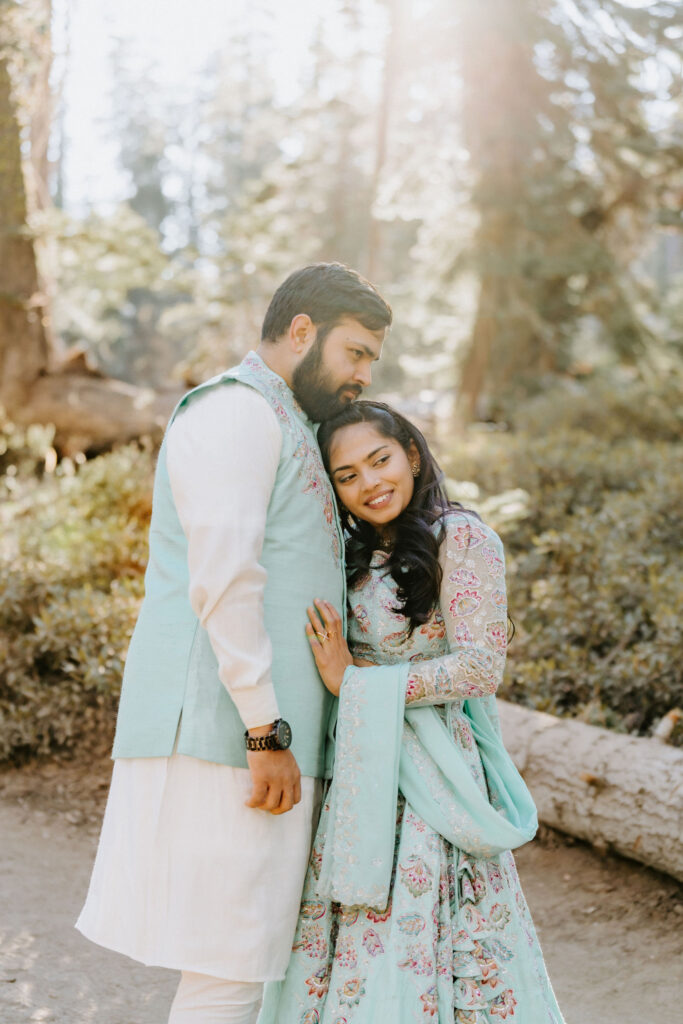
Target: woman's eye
{"type": "Point", "coordinates": [382, 459]}
{"type": "Point", "coordinates": [345, 479]}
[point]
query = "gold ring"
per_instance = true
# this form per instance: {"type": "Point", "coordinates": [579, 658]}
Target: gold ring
{"type": "Point", "coordinates": [322, 637]}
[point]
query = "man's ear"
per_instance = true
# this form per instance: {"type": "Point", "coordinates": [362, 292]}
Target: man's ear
{"type": "Point", "coordinates": [302, 333]}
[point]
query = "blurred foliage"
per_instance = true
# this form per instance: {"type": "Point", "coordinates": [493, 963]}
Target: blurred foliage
{"type": "Point", "coordinates": [517, 231]}
{"type": "Point", "coordinates": [588, 499]}
{"type": "Point", "coordinates": [72, 559]}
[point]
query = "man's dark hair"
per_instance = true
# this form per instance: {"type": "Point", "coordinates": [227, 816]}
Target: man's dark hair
{"type": "Point", "coordinates": [327, 292]}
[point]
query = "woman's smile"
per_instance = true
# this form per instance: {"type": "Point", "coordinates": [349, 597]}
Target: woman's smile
{"type": "Point", "coordinates": [380, 500]}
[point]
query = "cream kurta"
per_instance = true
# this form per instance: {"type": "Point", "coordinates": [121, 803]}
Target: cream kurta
{"type": "Point", "coordinates": [186, 876]}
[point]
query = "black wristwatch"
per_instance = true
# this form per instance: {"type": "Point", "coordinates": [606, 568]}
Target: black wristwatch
{"type": "Point", "coordinates": [279, 737]}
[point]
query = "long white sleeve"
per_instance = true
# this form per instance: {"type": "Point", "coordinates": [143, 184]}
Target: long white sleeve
{"type": "Point", "coordinates": [222, 456]}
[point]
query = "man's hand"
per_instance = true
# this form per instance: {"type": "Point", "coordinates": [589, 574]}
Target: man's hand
{"type": "Point", "coordinates": [276, 780]}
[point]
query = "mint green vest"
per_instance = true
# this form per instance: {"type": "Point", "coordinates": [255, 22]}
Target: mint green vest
{"type": "Point", "coordinates": [171, 672]}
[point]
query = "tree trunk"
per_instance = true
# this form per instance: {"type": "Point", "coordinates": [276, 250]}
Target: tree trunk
{"type": "Point", "coordinates": [41, 111]}
{"type": "Point", "coordinates": [89, 412]}
{"type": "Point", "coordinates": [23, 342]}
{"type": "Point", "coordinates": [389, 85]}
{"type": "Point", "coordinates": [623, 793]}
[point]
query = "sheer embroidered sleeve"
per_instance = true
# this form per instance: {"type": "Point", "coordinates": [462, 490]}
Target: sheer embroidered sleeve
{"type": "Point", "coordinates": [474, 608]}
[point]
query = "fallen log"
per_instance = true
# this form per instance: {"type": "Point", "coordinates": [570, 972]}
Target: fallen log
{"type": "Point", "coordinates": [91, 413]}
{"type": "Point", "coordinates": [618, 792]}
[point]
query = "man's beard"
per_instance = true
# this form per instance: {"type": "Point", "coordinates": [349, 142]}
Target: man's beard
{"type": "Point", "coordinates": [314, 390]}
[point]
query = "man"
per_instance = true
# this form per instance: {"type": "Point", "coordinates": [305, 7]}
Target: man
{"type": "Point", "coordinates": [210, 815]}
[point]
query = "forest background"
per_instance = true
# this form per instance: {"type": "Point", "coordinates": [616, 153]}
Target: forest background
{"type": "Point", "coordinates": [507, 173]}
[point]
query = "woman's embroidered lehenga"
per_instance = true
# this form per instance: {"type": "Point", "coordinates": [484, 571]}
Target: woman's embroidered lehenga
{"type": "Point", "coordinates": [454, 941]}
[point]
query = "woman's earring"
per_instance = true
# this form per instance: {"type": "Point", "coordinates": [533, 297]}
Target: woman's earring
{"type": "Point", "coordinates": [415, 468]}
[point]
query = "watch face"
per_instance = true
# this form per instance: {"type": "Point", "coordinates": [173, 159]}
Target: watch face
{"type": "Point", "coordinates": [283, 734]}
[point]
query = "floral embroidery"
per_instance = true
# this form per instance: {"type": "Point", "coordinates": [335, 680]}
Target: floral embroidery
{"type": "Point", "coordinates": [496, 634]}
{"type": "Point", "coordinates": [415, 689]}
{"type": "Point", "coordinates": [316, 861]}
{"type": "Point", "coordinates": [464, 731]}
{"type": "Point", "coordinates": [435, 629]}
{"type": "Point", "coordinates": [345, 953]}
{"type": "Point", "coordinates": [467, 991]}
{"type": "Point", "coordinates": [310, 1016]}
{"type": "Point", "coordinates": [319, 983]}
{"type": "Point", "coordinates": [417, 876]}
{"type": "Point", "coordinates": [417, 959]}
{"type": "Point", "coordinates": [393, 641]}
{"type": "Point", "coordinates": [372, 942]}
{"type": "Point", "coordinates": [306, 451]}
{"type": "Point", "coordinates": [430, 1002]}
{"type": "Point", "coordinates": [467, 535]}
{"type": "Point", "coordinates": [500, 951]}
{"type": "Point", "coordinates": [465, 602]}
{"type": "Point", "coordinates": [462, 634]}
{"type": "Point", "coordinates": [504, 1005]}
{"type": "Point", "coordinates": [312, 941]}
{"type": "Point", "coordinates": [377, 917]}
{"type": "Point", "coordinates": [411, 924]}
{"type": "Point", "coordinates": [475, 920]}
{"type": "Point", "coordinates": [348, 915]}
{"type": "Point", "coordinates": [351, 991]}
{"type": "Point", "coordinates": [465, 578]}
{"type": "Point", "coordinates": [499, 916]}
{"type": "Point", "coordinates": [417, 823]}
{"type": "Point", "coordinates": [312, 910]}
{"type": "Point", "coordinates": [495, 876]}
{"type": "Point", "coordinates": [494, 563]}
{"type": "Point", "coordinates": [362, 618]}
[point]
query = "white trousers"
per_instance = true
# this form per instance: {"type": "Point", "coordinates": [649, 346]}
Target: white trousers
{"type": "Point", "coordinates": [201, 999]}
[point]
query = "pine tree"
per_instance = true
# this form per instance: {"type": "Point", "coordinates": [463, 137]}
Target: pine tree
{"type": "Point", "coordinates": [567, 172]}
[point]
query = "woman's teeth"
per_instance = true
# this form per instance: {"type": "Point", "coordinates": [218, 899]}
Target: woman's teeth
{"type": "Point", "coordinates": [380, 500]}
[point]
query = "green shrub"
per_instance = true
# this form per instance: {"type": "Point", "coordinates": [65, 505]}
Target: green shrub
{"type": "Point", "coordinates": [71, 579]}
{"type": "Point", "coordinates": [593, 541]}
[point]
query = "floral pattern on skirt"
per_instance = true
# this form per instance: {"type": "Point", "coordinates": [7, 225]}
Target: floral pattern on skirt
{"type": "Point", "coordinates": [448, 941]}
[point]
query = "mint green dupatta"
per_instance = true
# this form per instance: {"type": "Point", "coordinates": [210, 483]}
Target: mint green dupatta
{"type": "Point", "coordinates": [383, 747]}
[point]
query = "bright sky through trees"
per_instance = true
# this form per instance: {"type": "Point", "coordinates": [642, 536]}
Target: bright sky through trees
{"type": "Point", "coordinates": [176, 38]}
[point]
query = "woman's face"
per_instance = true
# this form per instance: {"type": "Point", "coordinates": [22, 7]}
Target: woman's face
{"type": "Point", "coordinates": [371, 473]}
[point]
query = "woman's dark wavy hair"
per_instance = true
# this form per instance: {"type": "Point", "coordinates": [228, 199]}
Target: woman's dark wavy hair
{"type": "Point", "coordinates": [414, 559]}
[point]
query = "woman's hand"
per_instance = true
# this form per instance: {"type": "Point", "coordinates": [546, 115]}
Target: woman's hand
{"type": "Point", "coordinates": [330, 650]}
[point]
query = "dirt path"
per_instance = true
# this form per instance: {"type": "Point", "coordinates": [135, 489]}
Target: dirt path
{"type": "Point", "coordinates": [612, 932]}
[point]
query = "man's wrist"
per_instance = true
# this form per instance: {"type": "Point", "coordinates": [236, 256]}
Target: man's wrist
{"type": "Point", "coordinates": [279, 737]}
{"type": "Point", "coordinates": [261, 730]}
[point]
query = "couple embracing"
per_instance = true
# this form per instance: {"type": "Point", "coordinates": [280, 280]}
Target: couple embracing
{"type": "Point", "coordinates": [316, 609]}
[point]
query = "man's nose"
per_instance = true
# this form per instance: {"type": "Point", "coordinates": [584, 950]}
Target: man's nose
{"type": "Point", "coordinates": [363, 374]}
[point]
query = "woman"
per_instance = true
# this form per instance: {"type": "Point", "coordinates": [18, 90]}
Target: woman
{"type": "Point", "coordinates": [412, 908]}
